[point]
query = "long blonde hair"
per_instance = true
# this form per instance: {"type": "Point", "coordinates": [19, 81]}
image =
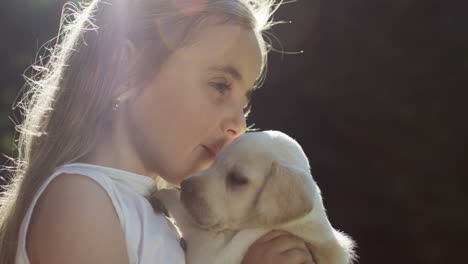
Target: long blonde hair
{"type": "Point", "coordinates": [68, 101]}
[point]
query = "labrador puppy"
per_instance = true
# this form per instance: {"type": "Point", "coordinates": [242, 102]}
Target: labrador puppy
{"type": "Point", "coordinates": [261, 182]}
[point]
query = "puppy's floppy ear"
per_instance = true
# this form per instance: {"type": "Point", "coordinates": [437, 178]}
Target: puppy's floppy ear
{"type": "Point", "coordinates": [287, 194]}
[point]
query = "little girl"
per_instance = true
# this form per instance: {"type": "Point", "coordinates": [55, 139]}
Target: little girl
{"type": "Point", "coordinates": [134, 92]}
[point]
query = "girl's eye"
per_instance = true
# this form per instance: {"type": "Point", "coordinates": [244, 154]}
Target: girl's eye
{"type": "Point", "coordinates": [221, 87]}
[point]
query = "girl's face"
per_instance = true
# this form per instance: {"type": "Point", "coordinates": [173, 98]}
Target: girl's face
{"type": "Point", "coordinates": [194, 106]}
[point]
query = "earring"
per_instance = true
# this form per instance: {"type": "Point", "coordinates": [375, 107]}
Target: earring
{"type": "Point", "coordinates": [123, 97]}
{"type": "Point", "coordinates": [116, 103]}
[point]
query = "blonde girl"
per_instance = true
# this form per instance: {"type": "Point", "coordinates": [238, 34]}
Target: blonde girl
{"type": "Point", "coordinates": [134, 91]}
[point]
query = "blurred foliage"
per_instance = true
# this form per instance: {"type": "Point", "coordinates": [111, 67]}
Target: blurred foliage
{"type": "Point", "coordinates": [378, 102]}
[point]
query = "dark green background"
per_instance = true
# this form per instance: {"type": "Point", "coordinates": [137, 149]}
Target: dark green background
{"type": "Point", "coordinates": [377, 100]}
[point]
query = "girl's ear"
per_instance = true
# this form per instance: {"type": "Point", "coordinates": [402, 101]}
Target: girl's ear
{"type": "Point", "coordinates": [128, 53]}
{"type": "Point", "coordinates": [127, 60]}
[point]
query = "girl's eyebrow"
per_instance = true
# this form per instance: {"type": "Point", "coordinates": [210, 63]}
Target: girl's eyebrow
{"type": "Point", "coordinates": [228, 69]}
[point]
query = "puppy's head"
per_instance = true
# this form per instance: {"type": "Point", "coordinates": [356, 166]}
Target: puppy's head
{"type": "Point", "coordinates": [261, 179]}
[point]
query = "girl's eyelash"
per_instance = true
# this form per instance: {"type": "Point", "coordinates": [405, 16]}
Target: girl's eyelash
{"type": "Point", "coordinates": [221, 86]}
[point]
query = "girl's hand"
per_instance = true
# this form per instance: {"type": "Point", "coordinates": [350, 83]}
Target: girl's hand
{"type": "Point", "coordinates": [278, 247]}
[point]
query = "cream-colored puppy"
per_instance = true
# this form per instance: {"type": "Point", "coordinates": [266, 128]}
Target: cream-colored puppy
{"type": "Point", "coordinates": [261, 182]}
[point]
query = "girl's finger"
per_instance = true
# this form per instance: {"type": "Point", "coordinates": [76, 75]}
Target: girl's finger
{"type": "Point", "coordinates": [286, 242]}
{"type": "Point", "coordinates": [271, 235]}
{"type": "Point", "coordinates": [298, 255]}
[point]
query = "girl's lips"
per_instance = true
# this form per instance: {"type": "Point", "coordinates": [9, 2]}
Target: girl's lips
{"type": "Point", "coordinates": [214, 148]}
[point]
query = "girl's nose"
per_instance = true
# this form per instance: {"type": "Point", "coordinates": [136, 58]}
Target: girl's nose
{"type": "Point", "coordinates": [235, 126]}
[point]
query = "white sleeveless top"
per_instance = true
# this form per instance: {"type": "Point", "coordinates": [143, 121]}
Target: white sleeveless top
{"type": "Point", "coordinates": [150, 237]}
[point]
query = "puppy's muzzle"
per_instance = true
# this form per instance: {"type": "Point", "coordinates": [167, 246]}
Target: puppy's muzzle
{"type": "Point", "coordinates": [191, 193]}
{"type": "Point", "coordinates": [188, 188]}
{"type": "Point", "coordinates": [191, 196]}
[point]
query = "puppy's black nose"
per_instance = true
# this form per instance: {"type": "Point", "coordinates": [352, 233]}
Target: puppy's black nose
{"type": "Point", "coordinates": [187, 188]}
{"type": "Point", "coordinates": [184, 184]}
{"type": "Point", "coordinates": [183, 244]}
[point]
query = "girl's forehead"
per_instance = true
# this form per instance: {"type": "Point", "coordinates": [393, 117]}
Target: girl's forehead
{"type": "Point", "coordinates": [227, 46]}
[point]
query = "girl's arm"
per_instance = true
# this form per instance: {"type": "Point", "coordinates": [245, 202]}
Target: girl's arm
{"type": "Point", "coordinates": [74, 221]}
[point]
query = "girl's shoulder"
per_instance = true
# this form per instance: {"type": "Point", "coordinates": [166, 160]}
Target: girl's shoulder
{"type": "Point", "coordinates": [83, 209]}
{"type": "Point", "coordinates": [77, 218]}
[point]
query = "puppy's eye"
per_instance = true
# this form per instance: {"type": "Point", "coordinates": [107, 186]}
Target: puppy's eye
{"type": "Point", "coordinates": [237, 179]}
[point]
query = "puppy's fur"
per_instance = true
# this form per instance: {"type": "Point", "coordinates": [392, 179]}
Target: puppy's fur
{"type": "Point", "coordinates": [261, 182]}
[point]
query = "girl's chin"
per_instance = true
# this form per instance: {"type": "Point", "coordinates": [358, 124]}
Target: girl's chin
{"type": "Point", "coordinates": [204, 166]}
{"type": "Point", "coordinates": [173, 180]}
{"type": "Point", "coordinates": [176, 180]}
